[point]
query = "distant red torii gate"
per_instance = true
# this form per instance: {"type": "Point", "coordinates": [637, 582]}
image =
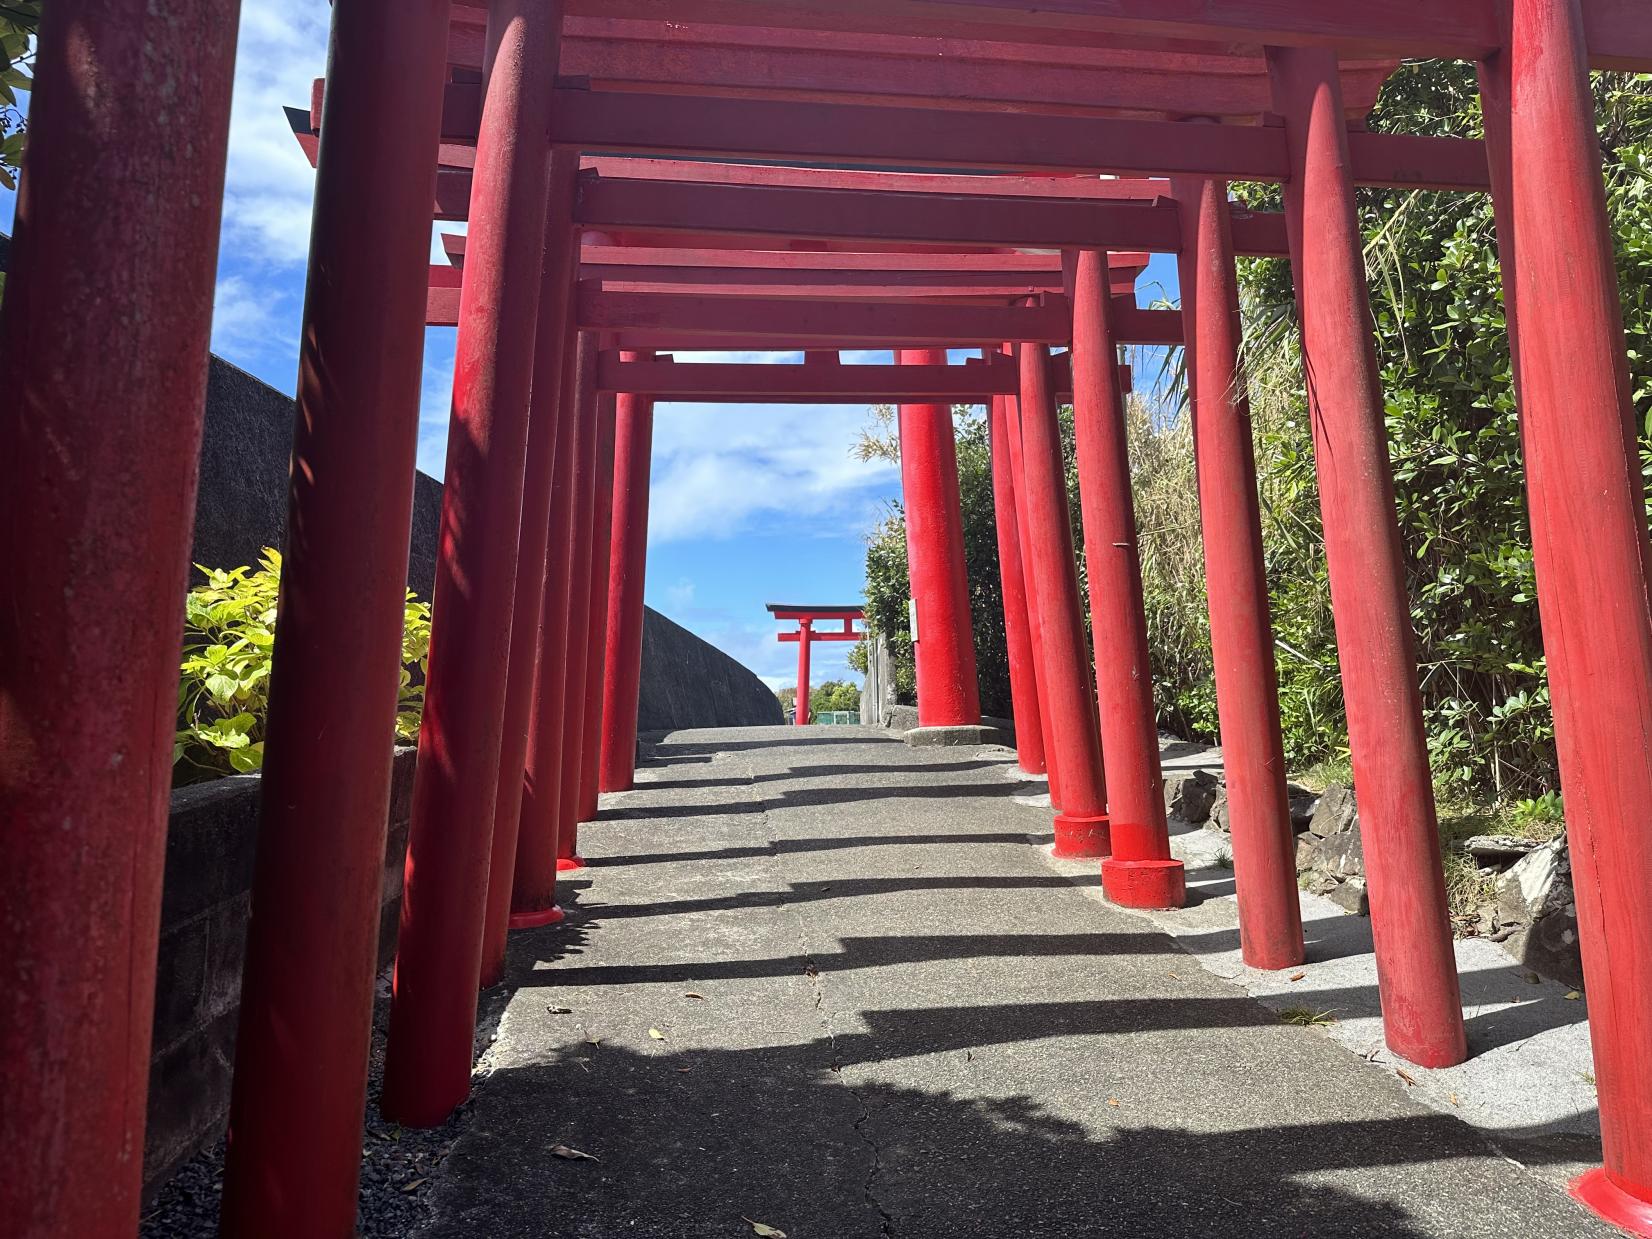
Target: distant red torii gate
{"type": "Point", "coordinates": [804, 634]}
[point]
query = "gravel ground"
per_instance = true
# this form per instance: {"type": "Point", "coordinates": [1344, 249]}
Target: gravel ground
{"type": "Point", "coordinates": [397, 1162]}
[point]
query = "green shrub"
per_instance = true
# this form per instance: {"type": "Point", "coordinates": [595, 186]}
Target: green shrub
{"type": "Point", "coordinates": [223, 693]}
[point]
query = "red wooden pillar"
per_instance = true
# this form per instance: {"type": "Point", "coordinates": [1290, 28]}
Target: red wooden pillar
{"type": "Point", "coordinates": [551, 355]}
{"type": "Point", "coordinates": [947, 692]}
{"type": "Point", "coordinates": [1035, 615]}
{"type": "Point", "coordinates": [1422, 1011]}
{"type": "Point", "coordinates": [1029, 722]}
{"type": "Point", "coordinates": [578, 648]}
{"type": "Point", "coordinates": [103, 357]}
{"type": "Point", "coordinates": [1589, 538]}
{"type": "Point", "coordinates": [433, 1014]}
{"type": "Point", "coordinates": [1241, 631]}
{"type": "Point", "coordinates": [633, 450]}
{"type": "Point", "coordinates": [312, 949]}
{"type": "Point", "coordinates": [800, 715]}
{"type": "Point", "coordinates": [596, 621]}
{"type": "Point", "coordinates": [533, 880]}
{"type": "Point", "coordinates": [1140, 873]}
{"type": "Point", "coordinates": [1081, 829]}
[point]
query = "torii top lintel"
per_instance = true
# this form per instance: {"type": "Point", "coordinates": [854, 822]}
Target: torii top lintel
{"type": "Point", "coordinates": [807, 616]}
{"type": "Point", "coordinates": [1617, 33]}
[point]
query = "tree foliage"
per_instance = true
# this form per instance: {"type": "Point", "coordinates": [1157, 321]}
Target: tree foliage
{"type": "Point", "coordinates": [19, 19]}
{"type": "Point", "coordinates": [223, 694]}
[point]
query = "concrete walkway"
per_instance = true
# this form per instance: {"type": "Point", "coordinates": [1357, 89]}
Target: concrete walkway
{"type": "Point", "coordinates": [824, 982]}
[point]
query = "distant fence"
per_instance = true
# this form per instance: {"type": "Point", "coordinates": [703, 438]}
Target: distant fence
{"type": "Point", "coordinates": [836, 718]}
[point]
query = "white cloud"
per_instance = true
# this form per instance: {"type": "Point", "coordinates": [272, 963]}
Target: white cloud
{"type": "Point", "coordinates": [269, 184]}
{"type": "Point", "coordinates": [720, 470]}
{"type": "Point", "coordinates": [245, 318]}
{"type": "Point", "coordinates": [681, 595]}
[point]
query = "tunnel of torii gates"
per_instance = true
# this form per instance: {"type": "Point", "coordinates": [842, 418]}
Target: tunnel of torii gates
{"type": "Point", "coordinates": [805, 634]}
{"type": "Point", "coordinates": [814, 175]}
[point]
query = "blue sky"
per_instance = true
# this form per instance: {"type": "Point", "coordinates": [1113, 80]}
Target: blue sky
{"type": "Point", "coordinates": [750, 505]}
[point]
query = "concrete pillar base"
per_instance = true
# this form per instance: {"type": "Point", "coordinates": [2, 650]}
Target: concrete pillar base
{"type": "Point", "coordinates": [552, 915]}
{"type": "Point", "coordinates": [1082, 838]}
{"type": "Point", "coordinates": [1597, 1192]}
{"type": "Point", "coordinates": [1148, 884]}
{"type": "Point", "coordinates": [953, 737]}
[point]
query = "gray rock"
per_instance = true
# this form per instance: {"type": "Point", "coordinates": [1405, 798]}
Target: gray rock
{"type": "Point", "coordinates": [1351, 896]}
{"type": "Point", "coordinates": [1537, 895]}
{"type": "Point", "coordinates": [1190, 794]}
{"type": "Point", "coordinates": [1307, 852]}
{"type": "Point", "coordinates": [1341, 855]}
{"type": "Point", "coordinates": [901, 718]}
{"type": "Point", "coordinates": [1335, 813]}
{"type": "Point", "coordinates": [1303, 803]}
{"type": "Point", "coordinates": [1499, 849]}
{"type": "Point", "coordinates": [1221, 814]}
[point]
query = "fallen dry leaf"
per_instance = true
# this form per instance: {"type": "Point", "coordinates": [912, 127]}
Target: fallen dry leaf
{"type": "Point", "coordinates": [559, 1010]}
{"type": "Point", "coordinates": [1112, 1101]}
{"type": "Point", "coordinates": [692, 994]}
{"type": "Point", "coordinates": [680, 1070]}
{"type": "Point", "coordinates": [571, 1155]}
{"type": "Point", "coordinates": [413, 1186]}
{"type": "Point", "coordinates": [1297, 976]}
{"type": "Point", "coordinates": [1573, 995]}
{"type": "Point", "coordinates": [1454, 1099]}
{"type": "Point", "coordinates": [656, 1034]}
{"type": "Point", "coordinates": [763, 1229]}
{"type": "Point", "coordinates": [1404, 1075]}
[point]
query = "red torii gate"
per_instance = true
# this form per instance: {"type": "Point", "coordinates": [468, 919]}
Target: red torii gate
{"type": "Point", "coordinates": [412, 132]}
{"type": "Point", "coordinates": [804, 634]}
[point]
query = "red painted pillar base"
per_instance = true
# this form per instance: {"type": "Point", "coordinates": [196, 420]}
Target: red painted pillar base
{"type": "Point", "coordinates": [1601, 1195]}
{"type": "Point", "coordinates": [1144, 883]}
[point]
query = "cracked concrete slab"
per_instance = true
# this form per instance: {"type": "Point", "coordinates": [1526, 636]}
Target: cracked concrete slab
{"type": "Point", "coordinates": [822, 981]}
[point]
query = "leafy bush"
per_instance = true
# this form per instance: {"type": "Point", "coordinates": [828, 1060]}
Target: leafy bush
{"type": "Point", "coordinates": [223, 694]}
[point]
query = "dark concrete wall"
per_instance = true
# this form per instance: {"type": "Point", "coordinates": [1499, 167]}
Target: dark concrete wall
{"type": "Point", "coordinates": [241, 506]}
{"type": "Point", "coordinates": [211, 843]}
{"type": "Point", "coordinates": [688, 683]}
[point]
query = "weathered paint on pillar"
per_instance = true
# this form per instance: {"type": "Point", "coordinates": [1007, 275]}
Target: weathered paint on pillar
{"type": "Point", "coordinates": [800, 711]}
{"type": "Point", "coordinates": [1029, 722]}
{"type": "Point", "coordinates": [533, 884]}
{"type": "Point", "coordinates": [545, 409]}
{"type": "Point", "coordinates": [1081, 829]}
{"type": "Point", "coordinates": [947, 691]}
{"type": "Point", "coordinates": [312, 948]}
{"type": "Point", "coordinates": [578, 648]}
{"type": "Point", "coordinates": [596, 649]}
{"type": "Point", "coordinates": [103, 356]}
{"type": "Point", "coordinates": [438, 963]}
{"type": "Point", "coordinates": [1241, 631]}
{"type": "Point", "coordinates": [1589, 540]}
{"type": "Point", "coordinates": [1035, 617]}
{"type": "Point", "coordinates": [1140, 873]}
{"type": "Point", "coordinates": [622, 683]}
{"type": "Point", "coordinates": [1422, 1010]}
